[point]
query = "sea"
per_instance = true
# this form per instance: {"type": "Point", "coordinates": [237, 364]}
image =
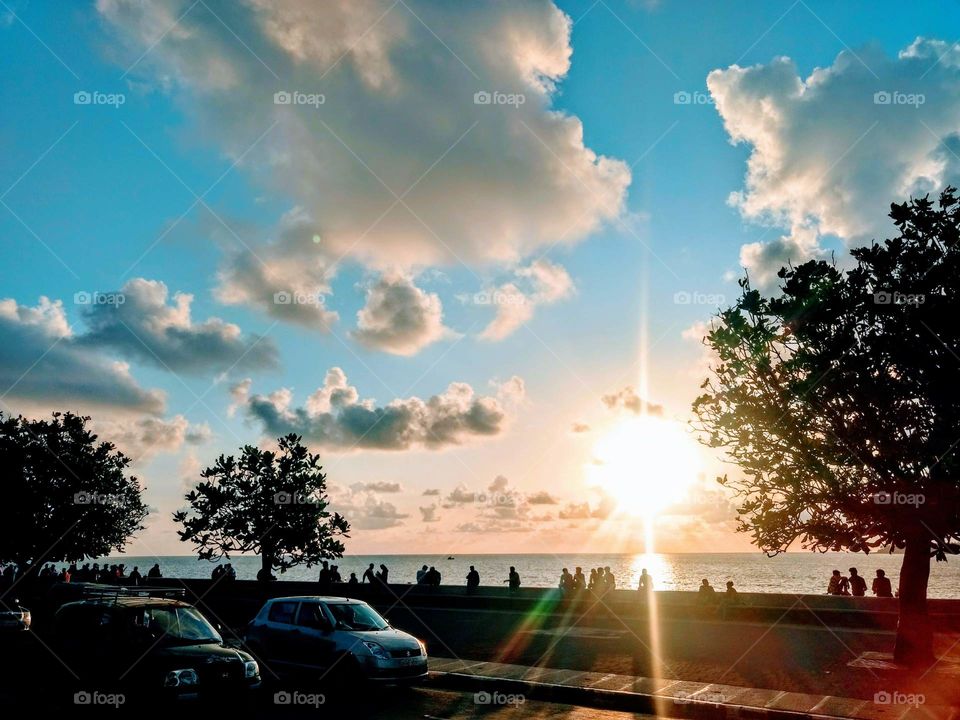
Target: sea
{"type": "Point", "coordinates": [794, 572]}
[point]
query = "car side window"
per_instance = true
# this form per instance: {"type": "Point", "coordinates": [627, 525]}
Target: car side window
{"type": "Point", "coordinates": [312, 616]}
{"type": "Point", "coordinates": [283, 612]}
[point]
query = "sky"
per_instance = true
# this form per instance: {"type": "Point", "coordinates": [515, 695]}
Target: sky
{"type": "Point", "coordinates": [468, 251]}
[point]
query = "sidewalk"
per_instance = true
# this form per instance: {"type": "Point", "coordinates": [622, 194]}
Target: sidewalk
{"type": "Point", "coordinates": [668, 698]}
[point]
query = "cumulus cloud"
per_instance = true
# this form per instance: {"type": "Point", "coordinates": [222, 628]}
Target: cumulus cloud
{"type": "Point", "coordinates": [147, 437]}
{"type": "Point", "coordinates": [544, 283]}
{"type": "Point", "coordinates": [541, 497]}
{"type": "Point", "coordinates": [627, 399]}
{"type": "Point", "coordinates": [377, 487]}
{"type": "Point", "coordinates": [367, 512]}
{"type": "Point", "coordinates": [431, 492]}
{"type": "Point", "coordinates": [335, 417]}
{"type": "Point", "coordinates": [831, 151]}
{"type": "Point", "coordinates": [141, 324]}
{"type": "Point", "coordinates": [382, 136]}
{"type": "Point", "coordinates": [429, 513]}
{"type": "Point", "coordinates": [579, 427]}
{"type": "Point", "coordinates": [42, 365]}
{"type": "Point", "coordinates": [400, 318]}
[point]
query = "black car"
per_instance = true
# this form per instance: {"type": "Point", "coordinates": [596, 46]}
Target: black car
{"type": "Point", "coordinates": [149, 648]}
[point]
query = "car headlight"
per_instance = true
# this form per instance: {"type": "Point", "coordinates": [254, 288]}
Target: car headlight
{"type": "Point", "coordinates": [376, 649]}
{"type": "Point", "coordinates": [186, 677]}
{"type": "Point", "coordinates": [251, 669]}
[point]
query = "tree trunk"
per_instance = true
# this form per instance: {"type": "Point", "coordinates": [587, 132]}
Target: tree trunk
{"type": "Point", "coordinates": [914, 645]}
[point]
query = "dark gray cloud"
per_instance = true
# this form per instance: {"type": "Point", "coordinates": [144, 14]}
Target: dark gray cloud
{"type": "Point", "coordinates": [335, 417]}
{"type": "Point", "coordinates": [541, 498]}
{"type": "Point", "coordinates": [139, 323]}
{"type": "Point", "coordinates": [429, 513]}
{"type": "Point", "coordinates": [377, 487]}
{"type": "Point", "coordinates": [42, 365]}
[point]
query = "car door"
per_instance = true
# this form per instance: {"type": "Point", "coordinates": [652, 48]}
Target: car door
{"type": "Point", "coordinates": [313, 644]}
{"type": "Point", "coordinates": [279, 632]}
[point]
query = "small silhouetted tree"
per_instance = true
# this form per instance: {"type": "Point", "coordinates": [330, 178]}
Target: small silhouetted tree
{"type": "Point", "coordinates": [270, 503]}
{"type": "Point", "coordinates": [66, 496]}
{"type": "Point", "coordinates": [838, 399]}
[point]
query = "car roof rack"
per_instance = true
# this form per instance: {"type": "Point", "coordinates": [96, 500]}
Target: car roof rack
{"type": "Point", "coordinates": [92, 591]}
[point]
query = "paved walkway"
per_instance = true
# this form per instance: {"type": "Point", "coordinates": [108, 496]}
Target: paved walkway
{"type": "Point", "coordinates": [676, 693]}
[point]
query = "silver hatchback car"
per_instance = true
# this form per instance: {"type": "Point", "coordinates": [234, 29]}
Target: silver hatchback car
{"type": "Point", "coordinates": [333, 638]}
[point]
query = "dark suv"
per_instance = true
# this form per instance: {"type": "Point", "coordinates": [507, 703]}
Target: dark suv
{"type": "Point", "coordinates": [152, 647]}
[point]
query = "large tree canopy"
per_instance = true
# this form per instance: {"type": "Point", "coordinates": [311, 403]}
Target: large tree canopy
{"type": "Point", "coordinates": [270, 503]}
{"type": "Point", "coordinates": [838, 400]}
{"type": "Point", "coordinates": [65, 495]}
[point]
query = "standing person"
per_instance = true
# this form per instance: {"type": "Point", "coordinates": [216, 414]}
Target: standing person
{"type": "Point", "coordinates": [369, 575]}
{"type": "Point", "coordinates": [609, 581]}
{"type": "Point", "coordinates": [135, 577]}
{"type": "Point", "coordinates": [473, 580]}
{"type": "Point", "coordinates": [858, 586]}
{"type": "Point", "coordinates": [566, 581]}
{"type": "Point", "coordinates": [421, 574]}
{"type": "Point", "coordinates": [382, 575]}
{"type": "Point", "coordinates": [579, 582]}
{"type": "Point", "coordinates": [646, 582]}
{"type": "Point", "coordinates": [154, 572]}
{"type": "Point", "coordinates": [513, 580]}
{"type": "Point", "coordinates": [592, 582]}
{"type": "Point", "coordinates": [881, 585]}
{"type": "Point", "coordinates": [323, 579]}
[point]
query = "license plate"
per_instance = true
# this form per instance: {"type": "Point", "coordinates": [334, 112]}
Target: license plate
{"type": "Point", "coordinates": [406, 662]}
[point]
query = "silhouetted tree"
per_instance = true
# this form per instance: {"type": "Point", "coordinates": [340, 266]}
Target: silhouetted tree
{"type": "Point", "coordinates": [65, 495]}
{"type": "Point", "coordinates": [270, 503]}
{"type": "Point", "coordinates": [838, 399]}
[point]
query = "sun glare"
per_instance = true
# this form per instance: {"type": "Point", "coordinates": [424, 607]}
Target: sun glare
{"type": "Point", "coordinates": [646, 464]}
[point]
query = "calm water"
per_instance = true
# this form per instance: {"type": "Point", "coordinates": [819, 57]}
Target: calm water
{"type": "Point", "coordinates": [752, 572]}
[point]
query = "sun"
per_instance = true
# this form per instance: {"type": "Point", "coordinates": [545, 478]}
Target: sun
{"type": "Point", "coordinates": [646, 464]}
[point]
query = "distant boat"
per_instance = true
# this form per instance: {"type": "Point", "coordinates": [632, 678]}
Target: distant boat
{"type": "Point", "coordinates": [450, 557]}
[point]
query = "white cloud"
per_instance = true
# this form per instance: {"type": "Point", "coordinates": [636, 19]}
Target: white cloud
{"type": "Point", "coordinates": [42, 366]}
{"type": "Point", "coordinates": [147, 437]}
{"type": "Point", "coordinates": [628, 399]}
{"type": "Point", "coordinates": [831, 151]}
{"type": "Point", "coordinates": [399, 167]}
{"type": "Point", "coordinates": [400, 318]}
{"type": "Point", "coordinates": [142, 325]}
{"type": "Point", "coordinates": [335, 417]}
{"type": "Point", "coordinates": [545, 283]}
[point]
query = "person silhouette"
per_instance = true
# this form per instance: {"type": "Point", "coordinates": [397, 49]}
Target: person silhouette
{"type": "Point", "coordinates": [369, 575]}
{"type": "Point", "coordinates": [154, 572]}
{"type": "Point", "coordinates": [858, 586]}
{"type": "Point", "coordinates": [579, 581]}
{"type": "Point", "coordinates": [881, 585]}
{"type": "Point", "coordinates": [513, 580]}
{"type": "Point", "coordinates": [135, 577]}
{"type": "Point", "coordinates": [421, 574]}
{"type": "Point", "coordinates": [473, 580]}
{"type": "Point", "coordinates": [838, 584]}
{"type": "Point", "coordinates": [566, 581]}
{"type": "Point", "coordinates": [353, 580]}
{"type": "Point", "coordinates": [706, 593]}
{"type": "Point", "coordinates": [646, 582]}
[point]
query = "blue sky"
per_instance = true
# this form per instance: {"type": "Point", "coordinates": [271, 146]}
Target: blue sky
{"type": "Point", "coordinates": [186, 174]}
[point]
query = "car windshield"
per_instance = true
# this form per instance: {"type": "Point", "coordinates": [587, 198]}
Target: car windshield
{"type": "Point", "coordinates": [175, 625]}
{"type": "Point", "coordinates": [350, 616]}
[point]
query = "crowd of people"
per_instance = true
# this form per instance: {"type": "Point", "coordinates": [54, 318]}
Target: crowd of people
{"type": "Point", "coordinates": [88, 573]}
{"type": "Point", "coordinates": [856, 586]}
